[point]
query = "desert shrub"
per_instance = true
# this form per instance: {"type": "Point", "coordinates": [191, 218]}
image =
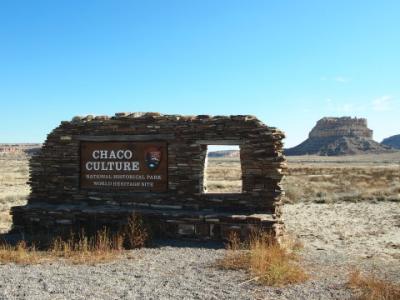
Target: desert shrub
{"type": "Point", "coordinates": [369, 287]}
{"type": "Point", "coordinates": [136, 233]}
{"type": "Point", "coordinates": [351, 196]}
{"type": "Point", "coordinates": [321, 197]}
{"type": "Point", "coordinates": [266, 261]}
{"type": "Point", "coordinates": [394, 198]}
{"type": "Point", "coordinates": [273, 264]}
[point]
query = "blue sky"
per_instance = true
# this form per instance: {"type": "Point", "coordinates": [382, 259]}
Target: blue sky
{"type": "Point", "coordinates": [287, 62]}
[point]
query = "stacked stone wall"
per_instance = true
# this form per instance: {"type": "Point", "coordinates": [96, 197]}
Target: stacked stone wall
{"type": "Point", "coordinates": [58, 203]}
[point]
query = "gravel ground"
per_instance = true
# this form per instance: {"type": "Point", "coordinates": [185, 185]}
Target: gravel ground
{"type": "Point", "coordinates": [336, 238]}
{"type": "Point", "coordinates": [162, 273]}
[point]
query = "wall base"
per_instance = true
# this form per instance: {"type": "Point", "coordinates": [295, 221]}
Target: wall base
{"type": "Point", "coordinates": [54, 220]}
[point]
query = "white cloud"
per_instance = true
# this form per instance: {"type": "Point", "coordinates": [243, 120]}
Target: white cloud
{"type": "Point", "coordinates": [341, 79]}
{"type": "Point", "coordinates": [382, 103]}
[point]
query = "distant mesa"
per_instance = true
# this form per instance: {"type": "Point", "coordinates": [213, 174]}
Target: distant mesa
{"type": "Point", "coordinates": [18, 149]}
{"type": "Point", "coordinates": [393, 141]}
{"type": "Point", "coordinates": [339, 136]}
{"type": "Point", "coordinates": [224, 153]}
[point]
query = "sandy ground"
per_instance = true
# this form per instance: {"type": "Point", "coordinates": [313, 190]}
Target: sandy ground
{"type": "Point", "coordinates": [342, 237]}
{"type": "Point", "coordinates": [361, 230]}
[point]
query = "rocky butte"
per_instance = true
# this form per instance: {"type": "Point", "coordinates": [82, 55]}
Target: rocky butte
{"type": "Point", "coordinates": [339, 136]}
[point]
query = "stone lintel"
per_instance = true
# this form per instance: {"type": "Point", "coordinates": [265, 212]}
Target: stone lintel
{"type": "Point", "coordinates": [220, 142]}
{"type": "Point", "coordinates": [122, 138]}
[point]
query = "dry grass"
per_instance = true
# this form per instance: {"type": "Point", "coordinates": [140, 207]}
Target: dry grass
{"type": "Point", "coordinates": [321, 179]}
{"type": "Point", "coordinates": [102, 247]}
{"type": "Point", "coordinates": [236, 256]}
{"type": "Point", "coordinates": [265, 260]}
{"type": "Point", "coordinates": [223, 175]}
{"type": "Point", "coordinates": [19, 254]}
{"type": "Point", "coordinates": [369, 287]}
{"type": "Point", "coordinates": [14, 171]}
{"type": "Point", "coordinates": [82, 249]}
{"type": "Point", "coordinates": [349, 178]}
{"type": "Point", "coordinates": [336, 184]}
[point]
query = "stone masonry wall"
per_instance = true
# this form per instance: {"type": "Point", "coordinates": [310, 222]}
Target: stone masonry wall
{"type": "Point", "coordinates": [58, 203]}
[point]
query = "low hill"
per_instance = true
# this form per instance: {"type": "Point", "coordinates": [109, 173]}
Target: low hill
{"type": "Point", "coordinates": [224, 153]}
{"type": "Point", "coordinates": [393, 141]}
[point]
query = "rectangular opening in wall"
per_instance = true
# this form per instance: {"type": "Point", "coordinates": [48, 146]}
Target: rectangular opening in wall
{"type": "Point", "coordinates": [222, 169]}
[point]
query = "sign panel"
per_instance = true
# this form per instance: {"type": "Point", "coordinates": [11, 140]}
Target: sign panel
{"type": "Point", "coordinates": [128, 166]}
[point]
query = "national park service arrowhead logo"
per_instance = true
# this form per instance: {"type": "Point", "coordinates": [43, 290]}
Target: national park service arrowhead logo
{"type": "Point", "coordinates": [153, 156]}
